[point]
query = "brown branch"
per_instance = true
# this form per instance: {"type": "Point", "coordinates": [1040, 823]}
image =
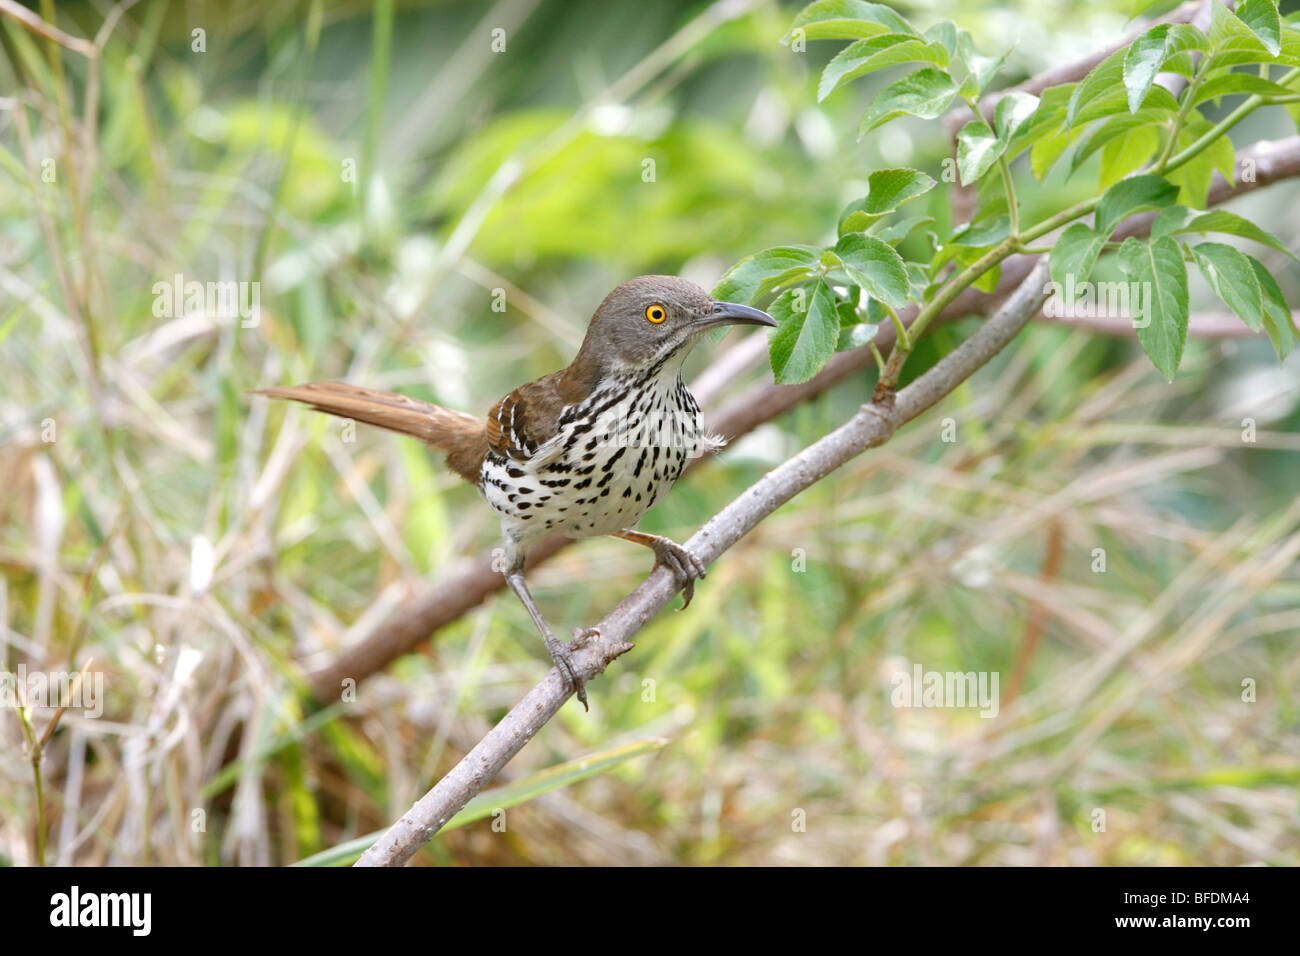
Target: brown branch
{"type": "Point", "coordinates": [873, 425]}
{"type": "Point", "coordinates": [465, 590]}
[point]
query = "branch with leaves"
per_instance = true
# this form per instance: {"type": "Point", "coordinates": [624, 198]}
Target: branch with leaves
{"type": "Point", "coordinates": [1156, 152]}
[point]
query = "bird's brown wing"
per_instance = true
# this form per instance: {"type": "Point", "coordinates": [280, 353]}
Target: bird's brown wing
{"type": "Point", "coordinates": [520, 425]}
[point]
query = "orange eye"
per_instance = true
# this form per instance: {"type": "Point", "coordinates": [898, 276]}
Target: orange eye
{"type": "Point", "coordinates": [656, 313]}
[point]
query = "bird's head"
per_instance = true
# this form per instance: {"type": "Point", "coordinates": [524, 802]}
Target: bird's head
{"type": "Point", "coordinates": [650, 318]}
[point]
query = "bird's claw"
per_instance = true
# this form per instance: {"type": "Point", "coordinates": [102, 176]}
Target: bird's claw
{"type": "Point", "coordinates": [563, 659]}
{"type": "Point", "coordinates": [685, 565]}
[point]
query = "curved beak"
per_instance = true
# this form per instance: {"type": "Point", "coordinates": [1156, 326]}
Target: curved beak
{"type": "Point", "coordinates": [732, 313]}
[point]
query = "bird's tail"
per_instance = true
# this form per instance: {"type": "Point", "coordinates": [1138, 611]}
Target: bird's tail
{"type": "Point", "coordinates": [463, 437]}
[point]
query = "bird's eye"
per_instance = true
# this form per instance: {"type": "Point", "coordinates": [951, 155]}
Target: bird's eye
{"type": "Point", "coordinates": [656, 313]}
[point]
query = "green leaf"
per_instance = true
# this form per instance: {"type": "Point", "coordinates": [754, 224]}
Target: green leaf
{"type": "Point", "coordinates": [1230, 275]}
{"type": "Point", "coordinates": [1228, 223]}
{"type": "Point", "coordinates": [503, 798]}
{"type": "Point", "coordinates": [1250, 50]}
{"type": "Point", "coordinates": [1142, 62]}
{"type": "Point", "coordinates": [1169, 220]}
{"type": "Point", "coordinates": [1105, 77]}
{"type": "Point", "coordinates": [1045, 133]}
{"type": "Point", "coordinates": [1262, 18]}
{"type": "Point", "coordinates": [874, 265]}
{"type": "Point", "coordinates": [1104, 92]}
{"type": "Point", "coordinates": [1195, 176]}
{"type": "Point", "coordinates": [752, 276]}
{"type": "Point", "coordinates": [898, 231]}
{"type": "Point", "coordinates": [1231, 33]}
{"type": "Point", "coordinates": [807, 334]}
{"type": "Point", "coordinates": [887, 189]}
{"type": "Point", "coordinates": [980, 69]}
{"type": "Point", "coordinates": [1113, 128]}
{"type": "Point", "coordinates": [1126, 155]}
{"type": "Point", "coordinates": [1279, 324]}
{"type": "Point", "coordinates": [978, 148]}
{"type": "Point", "coordinates": [945, 32]}
{"type": "Point", "coordinates": [866, 56]}
{"type": "Point", "coordinates": [1228, 84]}
{"type": "Point", "coordinates": [1162, 48]}
{"type": "Point", "coordinates": [1132, 195]}
{"type": "Point", "coordinates": [1047, 119]}
{"type": "Point", "coordinates": [988, 281]}
{"type": "Point", "coordinates": [970, 242]}
{"type": "Point", "coordinates": [1115, 102]}
{"type": "Point", "coordinates": [925, 93]}
{"type": "Point", "coordinates": [846, 20]}
{"type": "Point", "coordinates": [1012, 113]}
{"type": "Point", "coordinates": [1047, 150]}
{"type": "Point", "coordinates": [1157, 266]}
{"type": "Point", "coordinates": [857, 335]}
{"type": "Point", "coordinates": [1075, 254]}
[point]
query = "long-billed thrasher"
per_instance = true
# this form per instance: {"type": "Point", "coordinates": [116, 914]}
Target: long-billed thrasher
{"type": "Point", "coordinates": [584, 451]}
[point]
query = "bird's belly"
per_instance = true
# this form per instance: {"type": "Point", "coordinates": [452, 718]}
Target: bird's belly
{"type": "Point", "coordinates": [611, 472]}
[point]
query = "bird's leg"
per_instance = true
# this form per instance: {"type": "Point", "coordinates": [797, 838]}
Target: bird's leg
{"type": "Point", "coordinates": [559, 653]}
{"type": "Point", "coordinates": [671, 555]}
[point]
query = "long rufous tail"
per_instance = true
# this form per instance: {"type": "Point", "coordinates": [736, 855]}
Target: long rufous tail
{"type": "Point", "coordinates": [463, 437]}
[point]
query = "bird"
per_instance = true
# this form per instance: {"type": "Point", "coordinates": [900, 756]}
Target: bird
{"type": "Point", "coordinates": [585, 451]}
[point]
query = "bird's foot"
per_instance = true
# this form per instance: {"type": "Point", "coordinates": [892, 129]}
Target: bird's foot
{"type": "Point", "coordinates": [682, 563]}
{"type": "Point", "coordinates": [563, 658]}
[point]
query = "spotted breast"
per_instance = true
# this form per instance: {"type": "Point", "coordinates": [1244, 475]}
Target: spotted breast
{"type": "Point", "coordinates": [596, 465]}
